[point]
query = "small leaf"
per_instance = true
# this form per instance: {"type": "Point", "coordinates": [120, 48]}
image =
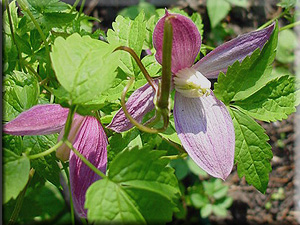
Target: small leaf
{"type": "Point", "coordinates": [287, 42]}
{"type": "Point", "coordinates": [217, 11]}
{"type": "Point", "coordinates": [20, 93]}
{"type": "Point", "coordinates": [273, 102]}
{"type": "Point", "coordinates": [199, 200]}
{"type": "Point", "coordinates": [206, 210]}
{"type": "Point", "coordinates": [195, 169]}
{"type": "Point", "coordinates": [85, 67]}
{"type": "Point", "coordinates": [15, 174]}
{"type": "Point", "coordinates": [219, 211]}
{"type": "Point", "coordinates": [252, 151]}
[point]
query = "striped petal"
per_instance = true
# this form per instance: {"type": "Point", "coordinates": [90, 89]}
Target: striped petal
{"type": "Point", "coordinates": [206, 131]}
{"type": "Point", "coordinates": [186, 41]}
{"type": "Point", "coordinates": [138, 105]}
{"type": "Point", "coordinates": [39, 120]}
{"type": "Point", "coordinates": [91, 142]}
{"type": "Point", "coordinates": [237, 49]}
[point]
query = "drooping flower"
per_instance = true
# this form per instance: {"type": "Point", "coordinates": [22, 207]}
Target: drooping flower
{"type": "Point", "coordinates": [202, 122]}
{"type": "Point", "coordinates": [86, 134]}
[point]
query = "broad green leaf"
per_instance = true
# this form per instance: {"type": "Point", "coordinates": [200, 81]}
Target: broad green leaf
{"type": "Point", "coordinates": [287, 42]}
{"type": "Point", "coordinates": [10, 55]}
{"type": "Point", "coordinates": [199, 200]}
{"type": "Point", "coordinates": [170, 133]}
{"type": "Point", "coordinates": [181, 168]}
{"type": "Point", "coordinates": [15, 174]}
{"type": "Point", "coordinates": [85, 67]}
{"type": "Point", "coordinates": [47, 166]}
{"type": "Point", "coordinates": [275, 101]}
{"type": "Point", "coordinates": [130, 33]}
{"type": "Point", "coordinates": [217, 11]}
{"type": "Point", "coordinates": [140, 188]}
{"type": "Point", "coordinates": [21, 92]}
{"type": "Point", "coordinates": [13, 143]}
{"type": "Point", "coordinates": [245, 78]}
{"type": "Point", "coordinates": [287, 3]}
{"type": "Point", "coordinates": [57, 19]}
{"type": "Point", "coordinates": [252, 151]}
{"type": "Point", "coordinates": [47, 6]}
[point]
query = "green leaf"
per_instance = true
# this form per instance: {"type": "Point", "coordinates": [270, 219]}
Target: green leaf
{"type": "Point", "coordinates": [130, 33]}
{"type": "Point", "coordinates": [287, 3]}
{"type": "Point", "coordinates": [14, 17]}
{"type": "Point", "coordinates": [195, 169]}
{"type": "Point", "coordinates": [15, 174]}
{"type": "Point", "coordinates": [240, 3]}
{"type": "Point", "coordinates": [287, 42]}
{"type": "Point", "coordinates": [47, 166]}
{"type": "Point", "coordinates": [57, 19]}
{"type": "Point", "coordinates": [13, 143]}
{"type": "Point", "coordinates": [85, 67]}
{"type": "Point", "coordinates": [252, 151]}
{"type": "Point", "coordinates": [245, 78]}
{"type": "Point", "coordinates": [199, 200]}
{"type": "Point", "coordinates": [170, 133]}
{"type": "Point", "coordinates": [181, 168]}
{"type": "Point", "coordinates": [21, 92]}
{"type": "Point", "coordinates": [219, 211]}
{"type": "Point", "coordinates": [275, 101]}
{"type": "Point", "coordinates": [47, 6]}
{"type": "Point", "coordinates": [217, 11]}
{"type": "Point", "coordinates": [133, 11]}
{"type": "Point", "coordinates": [206, 210]}
{"type": "Point", "coordinates": [140, 188]}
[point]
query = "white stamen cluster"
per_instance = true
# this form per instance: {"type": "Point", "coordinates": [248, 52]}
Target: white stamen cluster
{"type": "Point", "coordinates": [191, 83]}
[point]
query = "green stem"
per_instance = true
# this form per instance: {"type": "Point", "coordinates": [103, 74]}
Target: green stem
{"type": "Point", "coordinates": [25, 8]}
{"type": "Point", "coordinates": [84, 160]}
{"type": "Point", "coordinates": [131, 119]}
{"type": "Point", "coordinates": [172, 157]}
{"type": "Point", "coordinates": [290, 26]}
{"type": "Point", "coordinates": [70, 193]}
{"type": "Point", "coordinates": [33, 71]}
{"type": "Point", "coordinates": [81, 7]}
{"type": "Point", "coordinates": [74, 5]}
{"type": "Point", "coordinates": [20, 200]}
{"type": "Point", "coordinates": [12, 33]}
{"type": "Point", "coordinates": [272, 20]}
{"type": "Point", "coordinates": [68, 124]}
{"type": "Point", "coordinates": [47, 152]}
{"type": "Point", "coordinates": [208, 47]}
{"type": "Point", "coordinates": [164, 90]}
{"type": "Point", "coordinates": [140, 64]}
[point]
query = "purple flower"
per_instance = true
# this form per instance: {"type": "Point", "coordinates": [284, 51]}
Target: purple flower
{"type": "Point", "coordinates": [202, 122]}
{"type": "Point", "coordinates": [86, 134]}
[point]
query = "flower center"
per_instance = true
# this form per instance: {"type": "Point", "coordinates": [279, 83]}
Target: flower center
{"type": "Point", "coordinates": [191, 83]}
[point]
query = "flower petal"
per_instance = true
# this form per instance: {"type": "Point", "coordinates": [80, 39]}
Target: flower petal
{"type": "Point", "coordinates": [237, 49]}
{"type": "Point", "coordinates": [63, 152]}
{"type": "Point", "coordinates": [91, 142]}
{"type": "Point", "coordinates": [206, 131]}
{"type": "Point", "coordinates": [186, 41]}
{"type": "Point", "coordinates": [138, 105]}
{"type": "Point", "coordinates": [39, 120]}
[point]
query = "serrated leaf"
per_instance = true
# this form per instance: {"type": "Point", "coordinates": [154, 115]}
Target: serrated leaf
{"type": "Point", "coordinates": [21, 92]}
{"type": "Point", "coordinates": [15, 174]}
{"type": "Point", "coordinates": [57, 19]}
{"type": "Point", "coordinates": [13, 143]}
{"type": "Point", "coordinates": [275, 101]}
{"type": "Point", "coordinates": [47, 166]}
{"type": "Point", "coordinates": [85, 67]}
{"type": "Point", "coordinates": [130, 33]}
{"type": "Point", "coordinates": [140, 188]}
{"type": "Point", "coordinates": [252, 151]}
{"type": "Point", "coordinates": [217, 11]}
{"type": "Point", "coordinates": [245, 78]}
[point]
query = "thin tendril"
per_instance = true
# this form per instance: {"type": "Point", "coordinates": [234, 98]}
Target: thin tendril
{"type": "Point", "coordinates": [140, 64]}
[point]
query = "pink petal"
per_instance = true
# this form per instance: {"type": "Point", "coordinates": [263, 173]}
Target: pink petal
{"type": "Point", "coordinates": [138, 105]}
{"type": "Point", "coordinates": [39, 120]}
{"type": "Point", "coordinates": [237, 49]}
{"type": "Point", "coordinates": [186, 41]}
{"type": "Point", "coordinates": [63, 152]}
{"type": "Point", "coordinates": [91, 142]}
{"type": "Point", "coordinates": [206, 131]}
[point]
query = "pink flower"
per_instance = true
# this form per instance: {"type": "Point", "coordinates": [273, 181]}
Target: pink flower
{"type": "Point", "coordinates": [202, 122]}
{"type": "Point", "coordinates": [86, 134]}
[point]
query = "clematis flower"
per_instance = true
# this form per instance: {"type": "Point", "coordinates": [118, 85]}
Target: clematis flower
{"type": "Point", "coordinates": [202, 122]}
{"type": "Point", "coordinates": [86, 134]}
